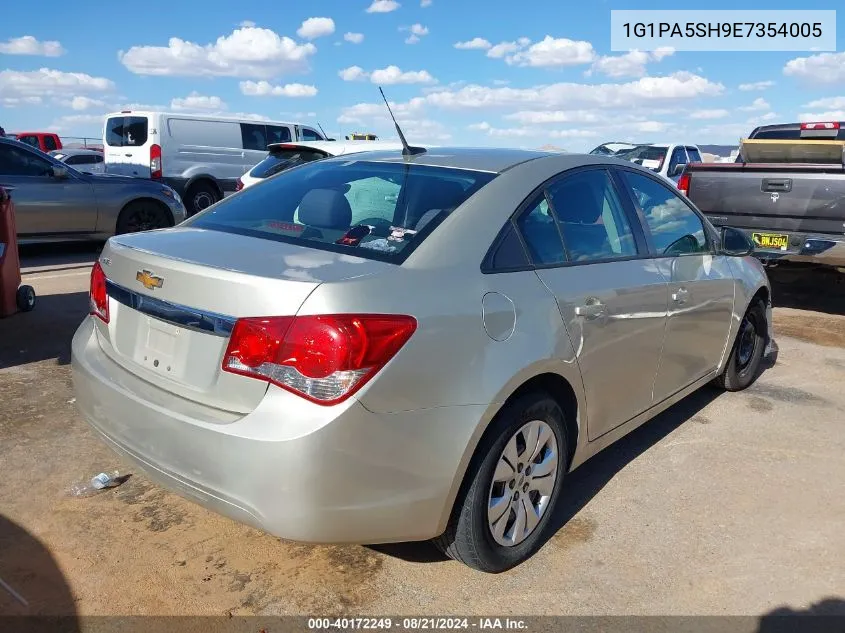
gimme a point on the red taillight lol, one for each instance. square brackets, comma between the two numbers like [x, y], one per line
[155, 162]
[820, 126]
[239, 184]
[683, 184]
[98, 299]
[324, 359]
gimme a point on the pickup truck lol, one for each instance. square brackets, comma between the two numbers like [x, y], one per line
[786, 192]
[50, 141]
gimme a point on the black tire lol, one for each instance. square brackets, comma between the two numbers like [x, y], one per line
[200, 196]
[468, 537]
[744, 363]
[143, 215]
[25, 298]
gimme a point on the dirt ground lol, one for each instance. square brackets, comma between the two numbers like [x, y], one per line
[725, 504]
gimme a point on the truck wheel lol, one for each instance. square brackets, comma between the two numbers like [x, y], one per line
[509, 495]
[25, 298]
[743, 366]
[143, 215]
[200, 196]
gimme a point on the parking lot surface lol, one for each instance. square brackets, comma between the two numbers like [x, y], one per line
[725, 504]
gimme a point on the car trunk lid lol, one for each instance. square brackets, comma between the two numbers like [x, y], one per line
[174, 296]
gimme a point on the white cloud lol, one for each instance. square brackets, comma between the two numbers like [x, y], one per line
[505, 48]
[417, 31]
[81, 124]
[556, 116]
[383, 6]
[354, 38]
[28, 45]
[425, 3]
[650, 91]
[394, 75]
[631, 64]
[312, 28]
[247, 23]
[476, 43]
[14, 102]
[266, 89]
[553, 52]
[246, 52]
[755, 86]
[769, 116]
[757, 105]
[833, 103]
[85, 103]
[387, 76]
[530, 132]
[826, 68]
[19, 87]
[719, 113]
[196, 102]
[353, 73]
[831, 115]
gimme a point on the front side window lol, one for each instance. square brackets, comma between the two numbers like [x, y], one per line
[310, 135]
[679, 157]
[128, 131]
[29, 139]
[15, 161]
[538, 228]
[592, 219]
[694, 155]
[675, 228]
[366, 209]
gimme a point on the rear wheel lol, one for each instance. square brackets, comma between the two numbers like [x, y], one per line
[25, 298]
[143, 215]
[501, 516]
[746, 357]
[200, 196]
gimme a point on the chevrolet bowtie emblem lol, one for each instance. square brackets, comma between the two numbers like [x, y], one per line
[149, 280]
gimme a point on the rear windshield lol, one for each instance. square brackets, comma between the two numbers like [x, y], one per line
[374, 210]
[126, 131]
[278, 161]
[793, 133]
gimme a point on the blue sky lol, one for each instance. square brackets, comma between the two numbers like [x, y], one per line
[471, 72]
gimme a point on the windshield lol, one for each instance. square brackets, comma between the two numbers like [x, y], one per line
[646, 155]
[376, 210]
[280, 160]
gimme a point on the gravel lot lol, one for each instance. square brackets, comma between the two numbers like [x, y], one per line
[725, 504]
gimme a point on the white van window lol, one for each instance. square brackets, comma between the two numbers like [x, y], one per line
[126, 131]
[277, 134]
[311, 135]
[204, 133]
[254, 136]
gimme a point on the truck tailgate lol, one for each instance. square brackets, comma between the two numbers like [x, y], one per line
[773, 197]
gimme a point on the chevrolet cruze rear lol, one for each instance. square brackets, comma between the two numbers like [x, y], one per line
[387, 348]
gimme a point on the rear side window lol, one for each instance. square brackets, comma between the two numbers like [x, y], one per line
[277, 134]
[254, 136]
[50, 143]
[128, 131]
[372, 210]
[540, 233]
[694, 155]
[592, 219]
[279, 161]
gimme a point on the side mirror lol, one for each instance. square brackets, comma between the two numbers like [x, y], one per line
[677, 170]
[735, 243]
[59, 173]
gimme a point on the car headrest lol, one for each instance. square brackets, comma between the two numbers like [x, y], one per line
[325, 209]
[577, 203]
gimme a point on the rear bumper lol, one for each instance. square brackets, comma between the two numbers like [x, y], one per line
[291, 468]
[827, 250]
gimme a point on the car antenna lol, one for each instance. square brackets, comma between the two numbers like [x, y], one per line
[407, 150]
[325, 136]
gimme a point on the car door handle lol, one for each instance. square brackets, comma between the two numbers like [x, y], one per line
[590, 310]
[680, 296]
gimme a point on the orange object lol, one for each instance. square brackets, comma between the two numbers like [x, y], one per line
[13, 296]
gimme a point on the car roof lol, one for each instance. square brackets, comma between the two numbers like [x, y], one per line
[489, 159]
[75, 151]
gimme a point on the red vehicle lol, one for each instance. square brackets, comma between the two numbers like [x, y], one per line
[45, 141]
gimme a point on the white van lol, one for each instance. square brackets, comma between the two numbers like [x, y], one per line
[199, 156]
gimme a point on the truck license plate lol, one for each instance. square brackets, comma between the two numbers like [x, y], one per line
[771, 241]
